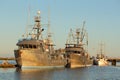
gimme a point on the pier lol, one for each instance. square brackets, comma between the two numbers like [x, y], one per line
[113, 61]
[5, 63]
[7, 58]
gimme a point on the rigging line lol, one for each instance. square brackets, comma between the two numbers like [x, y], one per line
[28, 21]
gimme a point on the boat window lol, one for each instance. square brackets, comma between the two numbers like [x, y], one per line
[23, 46]
[75, 45]
[26, 46]
[20, 47]
[34, 46]
[30, 46]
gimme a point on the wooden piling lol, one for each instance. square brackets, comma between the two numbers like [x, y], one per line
[114, 62]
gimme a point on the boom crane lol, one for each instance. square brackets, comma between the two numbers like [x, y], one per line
[82, 32]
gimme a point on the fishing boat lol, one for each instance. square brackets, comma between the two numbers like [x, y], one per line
[76, 49]
[101, 59]
[103, 62]
[35, 52]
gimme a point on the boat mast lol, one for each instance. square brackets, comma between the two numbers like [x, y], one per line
[71, 38]
[25, 35]
[101, 50]
[37, 25]
[48, 32]
[78, 36]
[50, 44]
[86, 48]
[82, 32]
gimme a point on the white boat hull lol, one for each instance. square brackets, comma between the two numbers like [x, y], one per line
[103, 62]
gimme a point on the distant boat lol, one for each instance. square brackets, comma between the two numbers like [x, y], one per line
[103, 62]
[101, 59]
[77, 55]
[6, 64]
[100, 62]
[35, 52]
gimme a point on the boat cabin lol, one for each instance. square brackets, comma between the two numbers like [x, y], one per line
[30, 44]
[74, 48]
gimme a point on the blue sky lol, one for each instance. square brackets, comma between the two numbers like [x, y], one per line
[102, 22]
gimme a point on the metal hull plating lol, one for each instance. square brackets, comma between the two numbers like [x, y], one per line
[77, 60]
[32, 58]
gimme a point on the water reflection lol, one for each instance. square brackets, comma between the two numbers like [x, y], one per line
[52, 74]
[37, 74]
[87, 73]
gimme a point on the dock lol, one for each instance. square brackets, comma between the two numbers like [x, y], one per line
[113, 60]
[5, 63]
[7, 58]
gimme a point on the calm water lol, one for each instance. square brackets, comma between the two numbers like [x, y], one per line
[88, 73]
